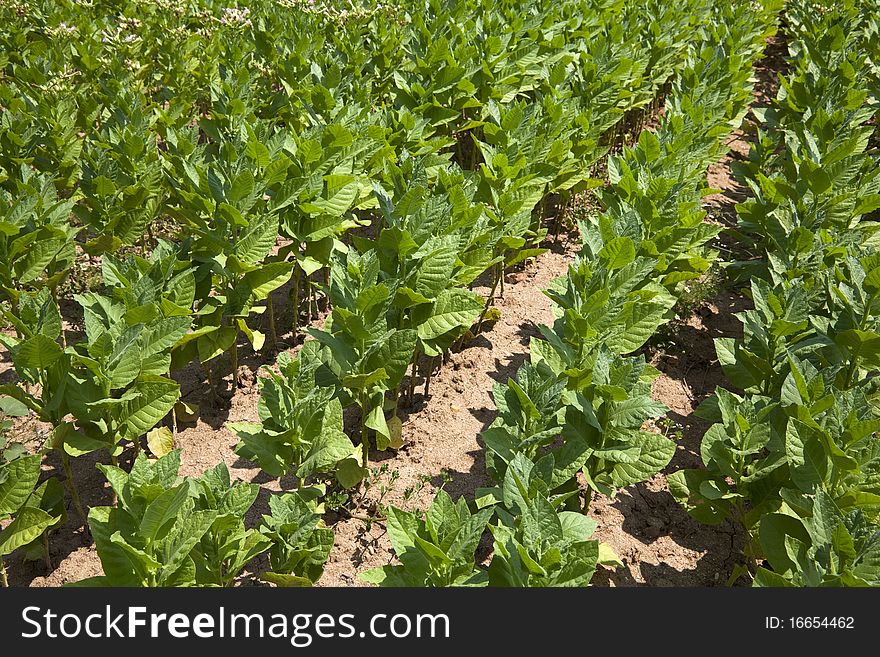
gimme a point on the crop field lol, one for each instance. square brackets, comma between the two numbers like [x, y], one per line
[523, 293]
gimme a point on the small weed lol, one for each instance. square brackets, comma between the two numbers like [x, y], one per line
[670, 428]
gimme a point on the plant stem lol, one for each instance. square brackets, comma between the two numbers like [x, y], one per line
[54, 290]
[71, 484]
[365, 448]
[430, 372]
[488, 303]
[273, 336]
[588, 497]
[114, 461]
[4, 581]
[209, 369]
[325, 276]
[294, 301]
[412, 378]
[233, 358]
[46, 554]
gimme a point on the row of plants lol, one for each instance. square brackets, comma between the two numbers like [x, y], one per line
[164, 530]
[793, 455]
[213, 181]
[579, 408]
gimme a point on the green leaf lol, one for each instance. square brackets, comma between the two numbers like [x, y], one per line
[38, 352]
[340, 193]
[618, 253]
[13, 407]
[29, 523]
[162, 510]
[77, 444]
[215, 341]
[18, 480]
[282, 580]
[257, 240]
[775, 527]
[260, 282]
[656, 453]
[455, 308]
[808, 462]
[185, 534]
[327, 450]
[349, 472]
[155, 397]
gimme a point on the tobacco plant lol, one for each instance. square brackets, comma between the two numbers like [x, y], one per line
[821, 547]
[301, 543]
[534, 543]
[363, 354]
[301, 427]
[32, 512]
[36, 238]
[436, 549]
[221, 198]
[227, 547]
[171, 531]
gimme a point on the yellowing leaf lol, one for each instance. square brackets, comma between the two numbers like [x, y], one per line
[395, 429]
[160, 441]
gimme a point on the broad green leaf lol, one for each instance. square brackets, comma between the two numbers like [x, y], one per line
[29, 523]
[161, 510]
[618, 253]
[349, 471]
[454, 309]
[38, 352]
[20, 477]
[155, 398]
[286, 581]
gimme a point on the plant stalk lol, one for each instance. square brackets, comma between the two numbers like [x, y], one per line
[588, 497]
[233, 359]
[488, 304]
[430, 372]
[4, 581]
[114, 461]
[46, 554]
[294, 301]
[412, 378]
[325, 276]
[71, 484]
[365, 447]
[273, 336]
[209, 369]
